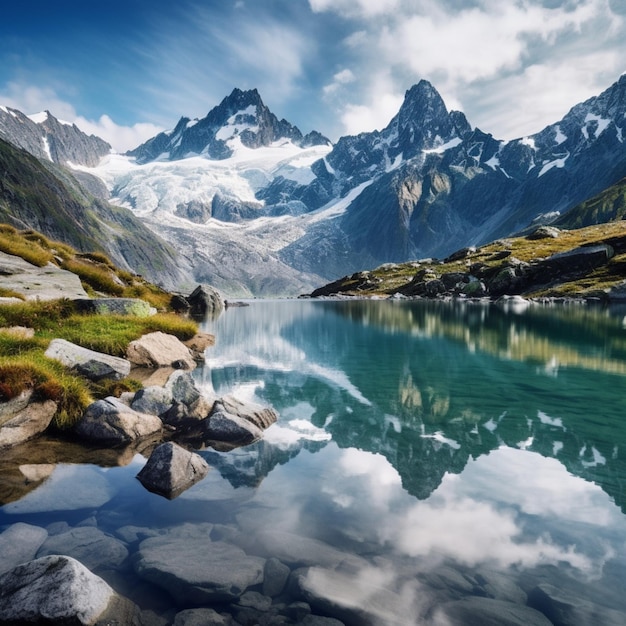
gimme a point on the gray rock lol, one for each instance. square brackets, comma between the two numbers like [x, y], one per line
[170, 470]
[116, 306]
[160, 350]
[205, 300]
[196, 570]
[489, 612]
[60, 590]
[202, 617]
[87, 544]
[545, 232]
[153, 400]
[39, 283]
[275, 577]
[318, 620]
[617, 293]
[27, 423]
[19, 543]
[234, 430]
[183, 387]
[93, 365]
[111, 421]
[261, 417]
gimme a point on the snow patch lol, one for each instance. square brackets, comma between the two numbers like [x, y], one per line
[39, 118]
[550, 164]
[46, 147]
[446, 146]
[602, 122]
[560, 137]
[528, 141]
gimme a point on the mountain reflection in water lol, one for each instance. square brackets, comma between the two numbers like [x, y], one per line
[433, 463]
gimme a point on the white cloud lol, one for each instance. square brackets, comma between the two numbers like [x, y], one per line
[31, 99]
[344, 77]
[122, 138]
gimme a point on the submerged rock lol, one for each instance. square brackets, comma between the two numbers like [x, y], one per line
[489, 612]
[60, 590]
[19, 543]
[170, 470]
[196, 570]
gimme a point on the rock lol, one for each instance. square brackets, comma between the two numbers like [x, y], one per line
[170, 470]
[27, 422]
[617, 293]
[205, 300]
[231, 429]
[454, 279]
[581, 259]
[196, 570]
[153, 400]
[93, 365]
[39, 283]
[433, 288]
[19, 543]
[87, 544]
[198, 345]
[112, 422]
[544, 232]
[260, 416]
[506, 281]
[160, 350]
[184, 417]
[202, 617]
[275, 577]
[115, 306]
[489, 612]
[459, 255]
[474, 289]
[183, 387]
[60, 590]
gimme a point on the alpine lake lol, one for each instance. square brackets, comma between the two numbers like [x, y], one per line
[433, 463]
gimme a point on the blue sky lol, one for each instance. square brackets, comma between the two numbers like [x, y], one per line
[127, 69]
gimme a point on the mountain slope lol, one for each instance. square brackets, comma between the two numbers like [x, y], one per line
[45, 137]
[48, 199]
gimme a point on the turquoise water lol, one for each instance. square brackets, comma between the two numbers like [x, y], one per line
[432, 464]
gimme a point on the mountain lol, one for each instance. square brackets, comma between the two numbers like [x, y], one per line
[241, 117]
[45, 137]
[39, 195]
[258, 209]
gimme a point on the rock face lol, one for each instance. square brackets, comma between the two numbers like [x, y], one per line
[21, 421]
[160, 350]
[196, 570]
[93, 365]
[242, 114]
[110, 421]
[170, 470]
[59, 590]
[49, 139]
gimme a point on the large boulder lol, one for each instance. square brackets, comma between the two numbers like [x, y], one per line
[196, 570]
[110, 421]
[205, 301]
[93, 365]
[170, 470]
[160, 350]
[21, 419]
[60, 590]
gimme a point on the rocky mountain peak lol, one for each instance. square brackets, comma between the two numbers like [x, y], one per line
[240, 119]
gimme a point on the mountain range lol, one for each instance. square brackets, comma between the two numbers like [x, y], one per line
[255, 207]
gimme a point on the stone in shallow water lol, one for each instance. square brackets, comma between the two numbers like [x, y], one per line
[60, 590]
[88, 545]
[19, 543]
[69, 488]
[196, 570]
[201, 617]
[171, 469]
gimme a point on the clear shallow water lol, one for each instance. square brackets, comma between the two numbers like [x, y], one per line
[432, 464]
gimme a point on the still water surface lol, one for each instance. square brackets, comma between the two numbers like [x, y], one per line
[432, 464]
